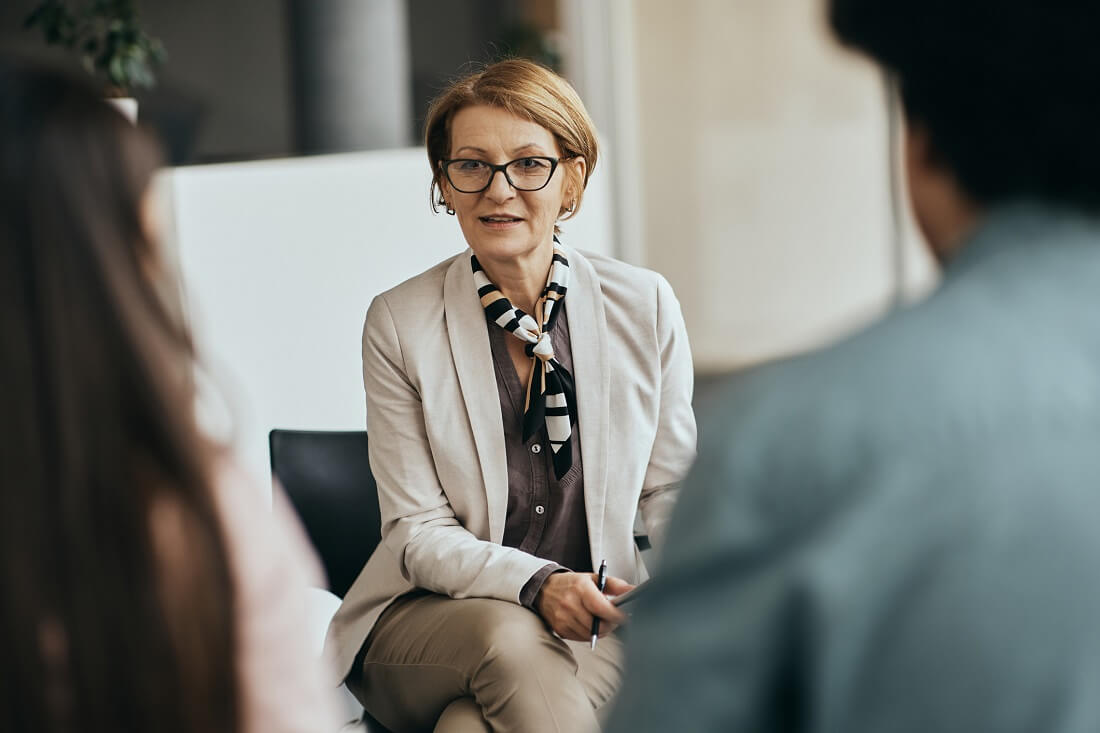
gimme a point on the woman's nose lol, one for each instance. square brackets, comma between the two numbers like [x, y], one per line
[500, 189]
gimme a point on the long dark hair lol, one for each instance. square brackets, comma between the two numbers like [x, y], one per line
[116, 594]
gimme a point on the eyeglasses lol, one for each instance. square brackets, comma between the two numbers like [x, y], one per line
[523, 174]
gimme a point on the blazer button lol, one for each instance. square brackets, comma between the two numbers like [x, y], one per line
[536, 448]
[540, 509]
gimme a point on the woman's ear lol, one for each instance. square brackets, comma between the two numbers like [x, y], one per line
[446, 194]
[580, 169]
[575, 170]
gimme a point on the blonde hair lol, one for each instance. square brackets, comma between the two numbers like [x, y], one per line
[527, 90]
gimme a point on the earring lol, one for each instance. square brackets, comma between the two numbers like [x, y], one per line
[449, 209]
[572, 205]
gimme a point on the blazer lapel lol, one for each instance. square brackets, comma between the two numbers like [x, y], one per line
[592, 375]
[473, 360]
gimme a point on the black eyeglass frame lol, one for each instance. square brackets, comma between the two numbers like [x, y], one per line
[502, 168]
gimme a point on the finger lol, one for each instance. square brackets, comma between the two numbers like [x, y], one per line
[588, 617]
[600, 605]
[584, 621]
[577, 630]
[613, 616]
[571, 620]
[597, 604]
[616, 586]
[606, 628]
[575, 620]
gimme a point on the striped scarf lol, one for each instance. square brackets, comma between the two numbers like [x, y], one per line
[551, 399]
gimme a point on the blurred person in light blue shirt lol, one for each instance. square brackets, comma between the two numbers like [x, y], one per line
[899, 533]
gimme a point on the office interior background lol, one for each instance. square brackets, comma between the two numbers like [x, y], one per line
[745, 156]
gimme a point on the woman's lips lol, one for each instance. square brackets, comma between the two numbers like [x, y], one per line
[500, 222]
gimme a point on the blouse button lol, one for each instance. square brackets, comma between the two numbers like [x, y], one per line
[536, 448]
[540, 509]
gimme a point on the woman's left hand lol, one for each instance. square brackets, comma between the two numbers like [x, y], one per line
[569, 601]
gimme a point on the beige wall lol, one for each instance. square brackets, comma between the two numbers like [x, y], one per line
[765, 176]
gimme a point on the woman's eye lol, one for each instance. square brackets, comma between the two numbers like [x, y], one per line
[471, 165]
[532, 163]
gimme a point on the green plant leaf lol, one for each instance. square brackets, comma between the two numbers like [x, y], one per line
[105, 34]
[115, 71]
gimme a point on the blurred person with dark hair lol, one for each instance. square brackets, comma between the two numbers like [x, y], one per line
[144, 589]
[503, 480]
[899, 533]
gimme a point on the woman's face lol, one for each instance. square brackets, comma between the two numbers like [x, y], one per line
[501, 222]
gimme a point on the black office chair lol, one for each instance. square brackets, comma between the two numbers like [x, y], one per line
[326, 474]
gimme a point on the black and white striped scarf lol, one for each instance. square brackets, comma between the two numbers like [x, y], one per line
[551, 399]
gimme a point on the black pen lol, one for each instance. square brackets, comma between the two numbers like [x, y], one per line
[599, 584]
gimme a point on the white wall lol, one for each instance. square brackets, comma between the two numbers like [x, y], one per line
[280, 260]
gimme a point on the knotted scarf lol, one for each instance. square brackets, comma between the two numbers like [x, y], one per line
[551, 399]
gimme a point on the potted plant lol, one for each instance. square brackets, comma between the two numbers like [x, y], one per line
[108, 36]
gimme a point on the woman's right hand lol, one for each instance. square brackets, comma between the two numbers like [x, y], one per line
[568, 602]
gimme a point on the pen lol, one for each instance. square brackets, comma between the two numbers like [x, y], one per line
[599, 584]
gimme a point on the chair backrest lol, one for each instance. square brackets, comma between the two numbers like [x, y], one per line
[327, 476]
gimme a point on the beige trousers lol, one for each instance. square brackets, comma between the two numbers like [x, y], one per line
[478, 664]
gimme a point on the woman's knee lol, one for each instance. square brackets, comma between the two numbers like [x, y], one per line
[514, 637]
[462, 716]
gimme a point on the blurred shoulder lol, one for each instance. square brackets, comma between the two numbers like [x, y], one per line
[791, 438]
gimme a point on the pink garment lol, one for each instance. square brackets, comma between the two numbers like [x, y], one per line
[286, 687]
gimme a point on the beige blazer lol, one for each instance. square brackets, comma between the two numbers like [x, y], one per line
[437, 436]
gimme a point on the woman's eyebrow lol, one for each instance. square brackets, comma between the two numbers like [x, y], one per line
[527, 147]
[533, 147]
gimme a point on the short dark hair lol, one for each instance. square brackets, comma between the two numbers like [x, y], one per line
[1007, 89]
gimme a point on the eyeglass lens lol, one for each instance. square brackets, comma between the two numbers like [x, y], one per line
[525, 174]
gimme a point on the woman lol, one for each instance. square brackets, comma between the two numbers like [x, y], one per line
[143, 586]
[525, 402]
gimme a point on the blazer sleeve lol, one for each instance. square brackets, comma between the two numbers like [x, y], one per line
[674, 444]
[419, 526]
